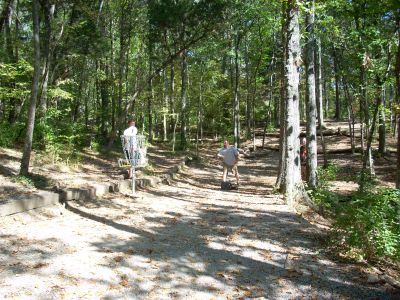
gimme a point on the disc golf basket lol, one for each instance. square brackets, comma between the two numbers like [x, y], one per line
[135, 151]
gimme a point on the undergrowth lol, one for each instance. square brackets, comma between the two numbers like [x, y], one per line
[367, 223]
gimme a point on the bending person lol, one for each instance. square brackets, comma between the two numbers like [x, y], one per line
[130, 143]
[230, 157]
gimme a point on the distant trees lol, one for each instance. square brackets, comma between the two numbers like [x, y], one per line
[191, 69]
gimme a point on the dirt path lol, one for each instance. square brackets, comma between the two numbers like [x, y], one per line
[188, 240]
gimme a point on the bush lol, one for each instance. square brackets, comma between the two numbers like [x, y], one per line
[371, 223]
[322, 196]
[9, 135]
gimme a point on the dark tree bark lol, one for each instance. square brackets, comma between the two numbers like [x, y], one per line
[5, 13]
[24, 168]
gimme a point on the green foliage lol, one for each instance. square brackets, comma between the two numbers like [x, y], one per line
[33, 181]
[371, 223]
[24, 180]
[367, 222]
[15, 84]
[322, 196]
[10, 134]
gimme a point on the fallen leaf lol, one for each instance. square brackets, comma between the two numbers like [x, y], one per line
[40, 265]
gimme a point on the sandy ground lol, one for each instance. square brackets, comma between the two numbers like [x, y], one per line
[187, 240]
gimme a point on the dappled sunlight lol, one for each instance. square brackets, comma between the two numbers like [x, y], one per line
[187, 239]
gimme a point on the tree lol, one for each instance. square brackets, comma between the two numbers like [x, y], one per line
[290, 172]
[311, 98]
[24, 168]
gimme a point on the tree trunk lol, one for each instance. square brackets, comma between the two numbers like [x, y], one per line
[184, 101]
[236, 101]
[48, 16]
[382, 125]
[24, 168]
[350, 117]
[150, 107]
[16, 51]
[172, 105]
[318, 84]
[166, 104]
[282, 103]
[5, 13]
[367, 159]
[291, 176]
[199, 115]
[310, 100]
[337, 81]
[248, 88]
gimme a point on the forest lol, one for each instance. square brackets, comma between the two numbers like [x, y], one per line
[193, 73]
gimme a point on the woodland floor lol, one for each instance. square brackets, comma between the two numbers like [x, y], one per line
[186, 240]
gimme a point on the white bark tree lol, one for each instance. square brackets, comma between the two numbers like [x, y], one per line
[311, 104]
[290, 178]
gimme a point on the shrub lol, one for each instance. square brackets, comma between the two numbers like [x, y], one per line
[371, 223]
[322, 196]
[9, 135]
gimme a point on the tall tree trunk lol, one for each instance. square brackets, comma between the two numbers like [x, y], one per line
[5, 13]
[382, 125]
[236, 101]
[174, 118]
[367, 159]
[150, 106]
[337, 81]
[24, 168]
[48, 16]
[8, 37]
[16, 51]
[282, 103]
[199, 115]
[350, 117]
[310, 99]
[319, 84]
[291, 176]
[248, 83]
[184, 101]
[326, 96]
[166, 104]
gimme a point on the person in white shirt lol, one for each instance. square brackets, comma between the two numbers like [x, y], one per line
[131, 130]
[230, 158]
[130, 142]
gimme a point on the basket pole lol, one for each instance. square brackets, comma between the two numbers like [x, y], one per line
[133, 179]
